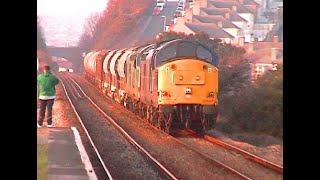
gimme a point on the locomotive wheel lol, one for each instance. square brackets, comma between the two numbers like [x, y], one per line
[214, 119]
[149, 112]
[182, 116]
[205, 121]
[142, 110]
[122, 102]
[145, 109]
[129, 104]
[189, 117]
[208, 121]
[154, 117]
[168, 120]
[160, 123]
[187, 123]
[135, 108]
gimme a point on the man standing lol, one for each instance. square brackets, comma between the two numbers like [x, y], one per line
[47, 82]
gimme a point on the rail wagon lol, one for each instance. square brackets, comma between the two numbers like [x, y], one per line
[172, 83]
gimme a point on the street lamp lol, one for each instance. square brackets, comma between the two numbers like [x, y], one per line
[164, 23]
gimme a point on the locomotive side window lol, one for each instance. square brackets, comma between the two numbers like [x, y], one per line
[167, 53]
[144, 77]
[186, 49]
[204, 54]
[153, 60]
[129, 75]
[150, 81]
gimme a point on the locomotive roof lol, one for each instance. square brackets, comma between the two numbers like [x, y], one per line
[181, 48]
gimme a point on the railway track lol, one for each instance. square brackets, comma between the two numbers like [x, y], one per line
[75, 93]
[182, 134]
[172, 156]
[250, 156]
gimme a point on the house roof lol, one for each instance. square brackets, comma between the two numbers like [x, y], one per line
[215, 19]
[250, 2]
[222, 11]
[213, 30]
[245, 2]
[263, 56]
[228, 4]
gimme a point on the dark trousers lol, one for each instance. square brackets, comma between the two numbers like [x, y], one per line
[45, 105]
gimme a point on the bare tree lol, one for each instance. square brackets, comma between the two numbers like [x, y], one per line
[41, 44]
[91, 22]
[88, 37]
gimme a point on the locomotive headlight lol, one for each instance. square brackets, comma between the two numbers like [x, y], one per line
[211, 94]
[205, 67]
[173, 67]
[180, 77]
[197, 78]
[164, 93]
[187, 91]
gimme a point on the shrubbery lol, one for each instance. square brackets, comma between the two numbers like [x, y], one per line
[256, 107]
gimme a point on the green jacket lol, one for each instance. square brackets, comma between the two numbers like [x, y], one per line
[47, 83]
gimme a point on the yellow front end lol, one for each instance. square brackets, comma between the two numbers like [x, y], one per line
[187, 81]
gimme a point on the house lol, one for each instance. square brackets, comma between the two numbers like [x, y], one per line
[237, 7]
[223, 23]
[264, 56]
[213, 30]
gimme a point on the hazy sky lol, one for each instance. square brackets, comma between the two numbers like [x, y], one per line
[69, 7]
[62, 20]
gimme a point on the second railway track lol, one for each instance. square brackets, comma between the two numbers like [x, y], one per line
[243, 162]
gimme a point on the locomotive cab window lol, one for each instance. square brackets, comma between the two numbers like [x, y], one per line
[186, 49]
[204, 54]
[165, 54]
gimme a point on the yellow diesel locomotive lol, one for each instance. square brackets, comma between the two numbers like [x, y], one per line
[169, 83]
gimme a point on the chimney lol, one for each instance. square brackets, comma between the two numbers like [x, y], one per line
[250, 48]
[275, 39]
[180, 20]
[204, 3]
[227, 16]
[166, 28]
[220, 24]
[241, 41]
[189, 15]
[196, 8]
[273, 54]
[234, 8]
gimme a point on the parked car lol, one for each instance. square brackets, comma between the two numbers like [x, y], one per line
[160, 7]
[179, 9]
[161, 2]
[190, 3]
[177, 14]
[156, 11]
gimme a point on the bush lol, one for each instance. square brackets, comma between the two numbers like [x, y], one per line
[257, 107]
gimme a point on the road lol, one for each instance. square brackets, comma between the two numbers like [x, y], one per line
[154, 24]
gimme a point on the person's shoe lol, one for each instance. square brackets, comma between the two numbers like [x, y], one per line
[39, 126]
[50, 125]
